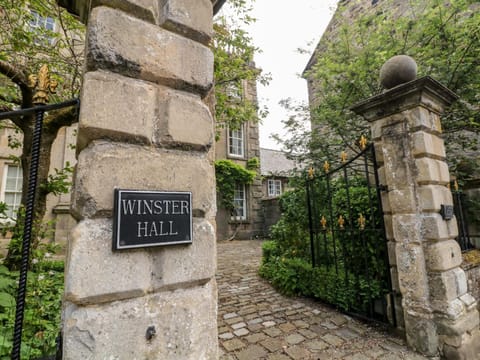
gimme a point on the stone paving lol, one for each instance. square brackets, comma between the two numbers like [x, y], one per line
[255, 322]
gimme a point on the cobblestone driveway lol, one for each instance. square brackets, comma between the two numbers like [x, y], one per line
[255, 322]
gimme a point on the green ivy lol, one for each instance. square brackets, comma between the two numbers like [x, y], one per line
[253, 163]
[229, 173]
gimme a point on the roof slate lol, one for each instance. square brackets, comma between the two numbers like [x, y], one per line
[274, 162]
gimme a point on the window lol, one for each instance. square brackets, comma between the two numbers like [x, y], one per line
[39, 24]
[235, 142]
[239, 202]
[12, 189]
[234, 91]
[274, 187]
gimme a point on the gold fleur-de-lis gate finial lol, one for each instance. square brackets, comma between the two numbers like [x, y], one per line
[311, 172]
[361, 222]
[323, 222]
[343, 156]
[363, 142]
[341, 222]
[326, 166]
[42, 84]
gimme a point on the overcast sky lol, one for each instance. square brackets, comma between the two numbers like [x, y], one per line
[283, 26]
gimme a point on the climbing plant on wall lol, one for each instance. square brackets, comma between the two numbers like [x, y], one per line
[228, 174]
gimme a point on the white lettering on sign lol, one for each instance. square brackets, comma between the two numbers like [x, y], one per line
[155, 207]
[155, 228]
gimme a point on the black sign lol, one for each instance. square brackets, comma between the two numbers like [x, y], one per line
[446, 211]
[151, 218]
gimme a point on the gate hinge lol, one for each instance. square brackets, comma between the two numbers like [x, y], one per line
[383, 187]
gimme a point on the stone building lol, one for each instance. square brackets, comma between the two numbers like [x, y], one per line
[240, 146]
[276, 170]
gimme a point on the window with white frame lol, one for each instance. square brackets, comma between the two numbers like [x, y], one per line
[234, 91]
[239, 202]
[274, 187]
[12, 189]
[39, 23]
[236, 142]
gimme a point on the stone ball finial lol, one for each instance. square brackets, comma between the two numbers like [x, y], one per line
[398, 70]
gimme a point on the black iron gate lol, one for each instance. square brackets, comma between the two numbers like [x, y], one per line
[347, 236]
[20, 304]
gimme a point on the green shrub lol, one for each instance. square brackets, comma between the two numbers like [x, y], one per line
[295, 276]
[289, 276]
[42, 311]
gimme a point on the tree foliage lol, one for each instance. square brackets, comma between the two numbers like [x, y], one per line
[233, 67]
[442, 36]
[34, 33]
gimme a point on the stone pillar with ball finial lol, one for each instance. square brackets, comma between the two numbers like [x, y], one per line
[437, 313]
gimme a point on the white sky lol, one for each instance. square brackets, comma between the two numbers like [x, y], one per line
[282, 27]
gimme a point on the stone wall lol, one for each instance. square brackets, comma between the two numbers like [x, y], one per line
[471, 266]
[271, 213]
[144, 126]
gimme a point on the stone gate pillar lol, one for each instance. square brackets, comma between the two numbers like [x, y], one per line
[439, 315]
[143, 126]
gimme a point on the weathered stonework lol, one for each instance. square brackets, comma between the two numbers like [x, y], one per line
[168, 170]
[143, 126]
[121, 43]
[184, 321]
[440, 316]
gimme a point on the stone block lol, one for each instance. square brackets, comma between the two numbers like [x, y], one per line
[119, 108]
[141, 50]
[421, 117]
[467, 323]
[443, 255]
[185, 121]
[412, 274]
[191, 18]
[385, 202]
[452, 310]
[447, 285]
[406, 228]
[468, 347]
[397, 174]
[146, 10]
[469, 301]
[424, 143]
[184, 320]
[392, 259]
[394, 277]
[435, 228]
[431, 197]
[387, 219]
[421, 333]
[402, 201]
[378, 152]
[133, 273]
[126, 166]
[432, 171]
